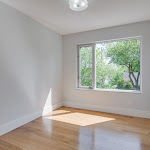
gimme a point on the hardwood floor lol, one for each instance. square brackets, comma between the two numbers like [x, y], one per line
[75, 129]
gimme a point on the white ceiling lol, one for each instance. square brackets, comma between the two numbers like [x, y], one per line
[100, 14]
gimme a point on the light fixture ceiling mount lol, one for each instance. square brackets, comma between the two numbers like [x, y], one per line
[78, 5]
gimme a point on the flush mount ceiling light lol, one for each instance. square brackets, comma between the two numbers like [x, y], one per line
[78, 5]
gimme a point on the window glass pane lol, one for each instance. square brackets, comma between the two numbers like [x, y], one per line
[86, 66]
[118, 65]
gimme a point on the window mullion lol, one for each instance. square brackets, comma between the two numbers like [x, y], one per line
[93, 67]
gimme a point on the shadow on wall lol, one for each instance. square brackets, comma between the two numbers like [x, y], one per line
[23, 87]
[29, 65]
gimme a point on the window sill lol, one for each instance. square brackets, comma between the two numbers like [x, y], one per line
[111, 90]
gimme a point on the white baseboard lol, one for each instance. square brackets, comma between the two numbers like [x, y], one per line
[18, 122]
[5, 128]
[28, 118]
[122, 111]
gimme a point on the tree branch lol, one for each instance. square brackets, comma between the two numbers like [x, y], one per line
[130, 76]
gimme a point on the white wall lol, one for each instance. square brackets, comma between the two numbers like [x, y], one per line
[30, 65]
[123, 103]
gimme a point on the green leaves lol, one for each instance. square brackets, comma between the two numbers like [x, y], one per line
[123, 84]
[125, 53]
[112, 60]
[107, 72]
[86, 66]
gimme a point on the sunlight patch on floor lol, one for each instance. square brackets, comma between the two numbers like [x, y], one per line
[80, 119]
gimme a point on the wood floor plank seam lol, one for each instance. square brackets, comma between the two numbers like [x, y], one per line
[75, 129]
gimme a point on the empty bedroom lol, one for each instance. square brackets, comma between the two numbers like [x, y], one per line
[74, 75]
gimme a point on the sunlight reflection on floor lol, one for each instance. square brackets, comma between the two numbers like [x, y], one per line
[100, 139]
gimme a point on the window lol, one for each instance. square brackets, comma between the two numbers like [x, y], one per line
[110, 65]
